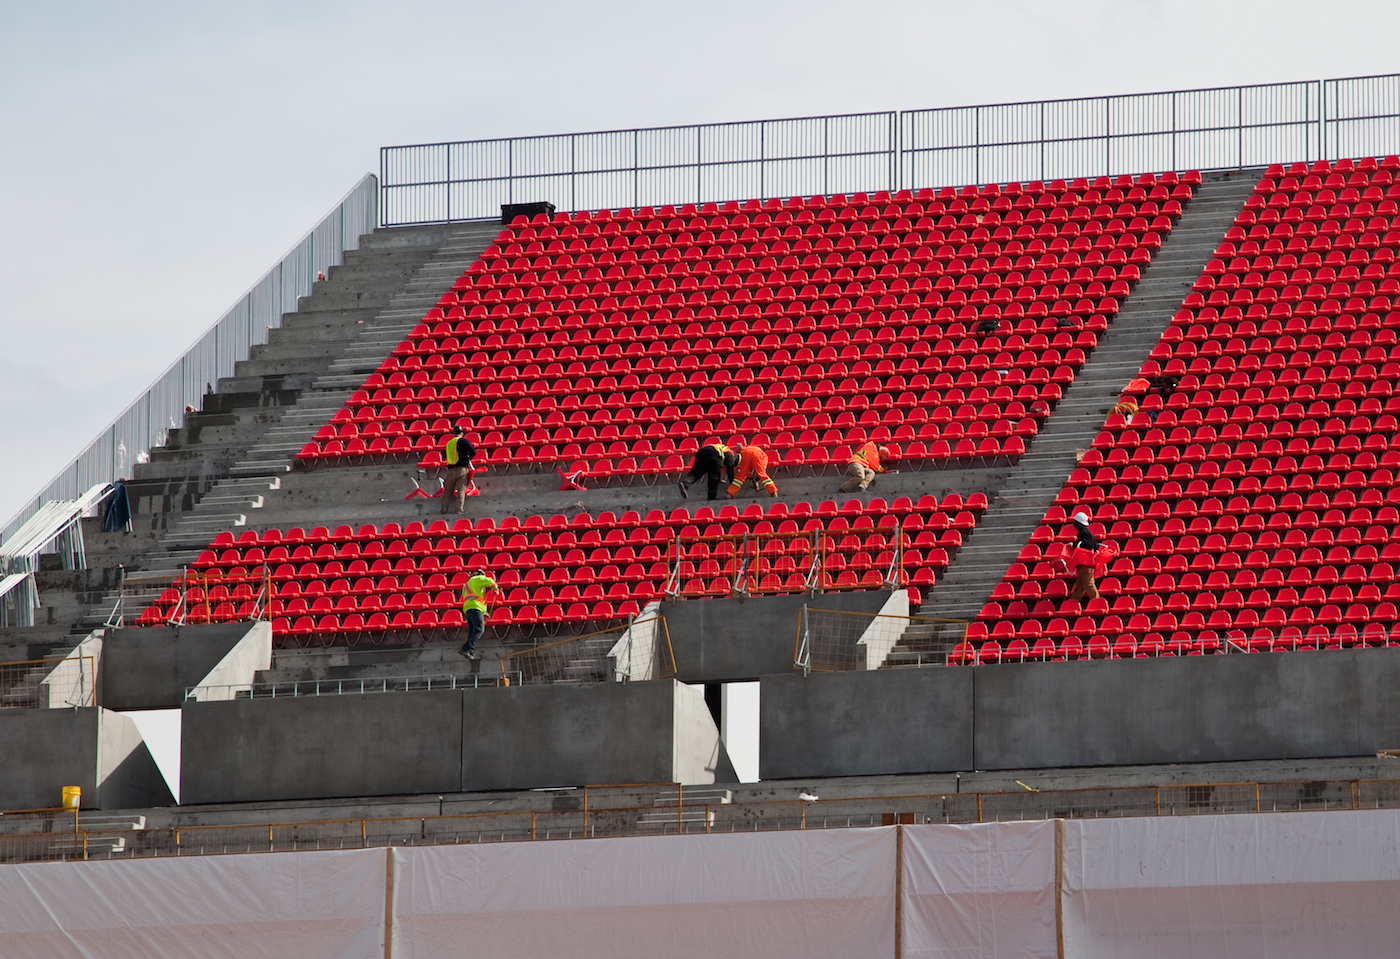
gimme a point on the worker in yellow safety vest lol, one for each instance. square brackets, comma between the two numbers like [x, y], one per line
[865, 463]
[708, 462]
[753, 462]
[458, 454]
[474, 609]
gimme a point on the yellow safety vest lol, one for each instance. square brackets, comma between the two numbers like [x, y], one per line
[474, 595]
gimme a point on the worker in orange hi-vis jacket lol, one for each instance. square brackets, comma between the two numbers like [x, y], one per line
[865, 463]
[753, 462]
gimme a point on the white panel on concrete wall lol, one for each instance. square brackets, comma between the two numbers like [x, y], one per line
[814, 895]
[981, 890]
[311, 905]
[1273, 886]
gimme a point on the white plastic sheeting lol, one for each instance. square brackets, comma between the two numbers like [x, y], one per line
[1271, 886]
[817, 894]
[979, 891]
[311, 905]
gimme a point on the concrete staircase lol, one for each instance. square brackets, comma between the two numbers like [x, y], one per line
[296, 669]
[1029, 489]
[230, 457]
[257, 470]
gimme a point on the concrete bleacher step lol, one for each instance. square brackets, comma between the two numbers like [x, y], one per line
[1016, 510]
[438, 661]
[238, 452]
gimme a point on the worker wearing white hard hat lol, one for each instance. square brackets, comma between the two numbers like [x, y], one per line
[1085, 558]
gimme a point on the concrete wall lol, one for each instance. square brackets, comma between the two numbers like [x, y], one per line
[738, 639]
[240, 665]
[535, 736]
[307, 747]
[443, 742]
[1188, 709]
[1113, 712]
[94, 749]
[151, 668]
[865, 723]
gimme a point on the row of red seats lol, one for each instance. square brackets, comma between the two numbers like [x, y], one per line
[986, 258]
[946, 194]
[1079, 230]
[981, 651]
[851, 539]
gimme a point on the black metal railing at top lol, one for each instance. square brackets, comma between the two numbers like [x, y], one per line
[1205, 129]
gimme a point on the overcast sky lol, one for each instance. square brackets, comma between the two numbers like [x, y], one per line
[159, 157]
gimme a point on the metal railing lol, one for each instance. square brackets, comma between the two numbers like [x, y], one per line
[161, 407]
[836, 640]
[49, 683]
[1215, 128]
[587, 658]
[33, 838]
[194, 598]
[343, 687]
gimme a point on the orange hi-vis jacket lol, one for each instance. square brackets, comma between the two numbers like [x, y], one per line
[752, 462]
[869, 454]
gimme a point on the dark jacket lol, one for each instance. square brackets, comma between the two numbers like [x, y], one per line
[1083, 538]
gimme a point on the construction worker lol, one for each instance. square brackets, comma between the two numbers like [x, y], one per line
[458, 454]
[474, 609]
[753, 462]
[865, 463]
[1085, 558]
[708, 461]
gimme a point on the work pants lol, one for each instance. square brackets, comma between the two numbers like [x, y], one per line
[476, 628]
[707, 463]
[861, 476]
[1084, 587]
[454, 493]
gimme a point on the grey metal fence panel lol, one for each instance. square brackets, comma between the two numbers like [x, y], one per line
[642, 167]
[1362, 115]
[1207, 129]
[161, 407]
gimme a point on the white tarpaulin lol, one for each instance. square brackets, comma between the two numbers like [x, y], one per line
[813, 894]
[1272, 886]
[307, 905]
[979, 891]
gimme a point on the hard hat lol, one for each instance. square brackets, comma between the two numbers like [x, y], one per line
[1081, 518]
[889, 452]
[458, 429]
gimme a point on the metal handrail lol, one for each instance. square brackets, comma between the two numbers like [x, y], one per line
[1202, 128]
[346, 687]
[161, 407]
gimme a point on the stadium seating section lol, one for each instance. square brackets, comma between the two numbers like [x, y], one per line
[557, 570]
[1256, 504]
[948, 321]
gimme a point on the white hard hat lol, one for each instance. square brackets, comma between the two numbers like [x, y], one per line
[1081, 518]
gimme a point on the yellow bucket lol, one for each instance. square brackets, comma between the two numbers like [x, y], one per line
[72, 796]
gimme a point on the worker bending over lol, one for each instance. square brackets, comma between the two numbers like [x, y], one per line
[458, 454]
[865, 463]
[753, 463]
[708, 462]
